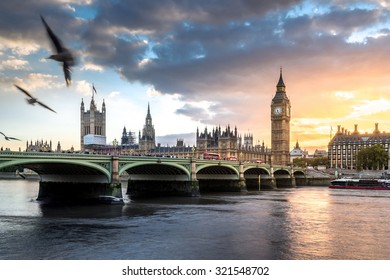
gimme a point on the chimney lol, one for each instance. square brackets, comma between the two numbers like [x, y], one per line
[376, 128]
[356, 129]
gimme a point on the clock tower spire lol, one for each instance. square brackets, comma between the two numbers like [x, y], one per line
[280, 124]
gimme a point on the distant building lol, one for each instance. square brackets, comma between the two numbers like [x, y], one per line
[345, 145]
[92, 126]
[39, 146]
[147, 140]
[178, 151]
[297, 152]
[228, 144]
[320, 153]
[280, 125]
[128, 138]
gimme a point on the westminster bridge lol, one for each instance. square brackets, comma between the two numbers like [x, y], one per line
[81, 176]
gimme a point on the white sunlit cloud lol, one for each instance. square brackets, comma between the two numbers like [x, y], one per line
[144, 62]
[153, 92]
[35, 81]
[68, 7]
[345, 94]
[113, 94]
[374, 32]
[14, 64]
[308, 9]
[370, 107]
[93, 67]
[19, 48]
[84, 87]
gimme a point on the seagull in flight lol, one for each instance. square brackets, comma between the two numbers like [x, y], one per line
[32, 100]
[63, 54]
[9, 138]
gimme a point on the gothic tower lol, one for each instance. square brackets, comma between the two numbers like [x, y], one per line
[93, 124]
[147, 141]
[280, 125]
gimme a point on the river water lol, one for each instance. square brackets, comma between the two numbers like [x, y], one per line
[304, 223]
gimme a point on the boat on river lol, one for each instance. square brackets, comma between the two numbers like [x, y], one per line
[360, 184]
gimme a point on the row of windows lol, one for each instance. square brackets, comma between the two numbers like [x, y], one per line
[97, 131]
[367, 143]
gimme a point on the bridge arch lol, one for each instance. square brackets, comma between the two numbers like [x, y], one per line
[62, 167]
[283, 178]
[157, 178]
[217, 177]
[254, 170]
[281, 171]
[147, 168]
[299, 173]
[219, 169]
[300, 178]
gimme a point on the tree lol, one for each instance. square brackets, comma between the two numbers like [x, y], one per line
[301, 162]
[305, 162]
[321, 161]
[374, 157]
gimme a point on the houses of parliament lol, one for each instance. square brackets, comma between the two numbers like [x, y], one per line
[226, 142]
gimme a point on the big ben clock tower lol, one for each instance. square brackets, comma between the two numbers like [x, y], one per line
[280, 125]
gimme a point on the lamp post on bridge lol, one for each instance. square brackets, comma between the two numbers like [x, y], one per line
[115, 144]
[193, 151]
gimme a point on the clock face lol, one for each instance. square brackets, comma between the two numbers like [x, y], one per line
[277, 110]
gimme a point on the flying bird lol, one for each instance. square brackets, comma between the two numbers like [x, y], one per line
[62, 54]
[9, 138]
[32, 100]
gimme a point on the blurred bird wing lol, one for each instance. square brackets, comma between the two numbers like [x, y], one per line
[47, 107]
[25, 91]
[67, 74]
[55, 40]
[13, 138]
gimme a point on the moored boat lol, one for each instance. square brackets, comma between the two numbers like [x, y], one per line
[361, 184]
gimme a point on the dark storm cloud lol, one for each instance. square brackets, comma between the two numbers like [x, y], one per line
[219, 51]
[194, 44]
[207, 51]
[20, 19]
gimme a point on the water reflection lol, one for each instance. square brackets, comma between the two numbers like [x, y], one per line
[308, 216]
[300, 223]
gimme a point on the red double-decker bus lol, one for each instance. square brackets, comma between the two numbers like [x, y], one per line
[207, 155]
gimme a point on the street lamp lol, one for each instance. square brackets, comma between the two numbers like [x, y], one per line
[115, 143]
[193, 151]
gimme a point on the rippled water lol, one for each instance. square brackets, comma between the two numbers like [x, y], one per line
[300, 223]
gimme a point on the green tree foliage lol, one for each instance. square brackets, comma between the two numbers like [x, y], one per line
[317, 161]
[373, 158]
[305, 162]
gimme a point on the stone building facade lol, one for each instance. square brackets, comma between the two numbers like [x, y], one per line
[92, 126]
[280, 125]
[228, 144]
[147, 140]
[345, 145]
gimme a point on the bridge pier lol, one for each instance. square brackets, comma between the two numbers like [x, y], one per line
[268, 183]
[241, 180]
[194, 181]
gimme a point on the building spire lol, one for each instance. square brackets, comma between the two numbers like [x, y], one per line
[281, 86]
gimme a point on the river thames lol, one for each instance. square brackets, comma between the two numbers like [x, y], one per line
[304, 223]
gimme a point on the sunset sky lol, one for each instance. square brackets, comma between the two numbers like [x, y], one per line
[198, 64]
